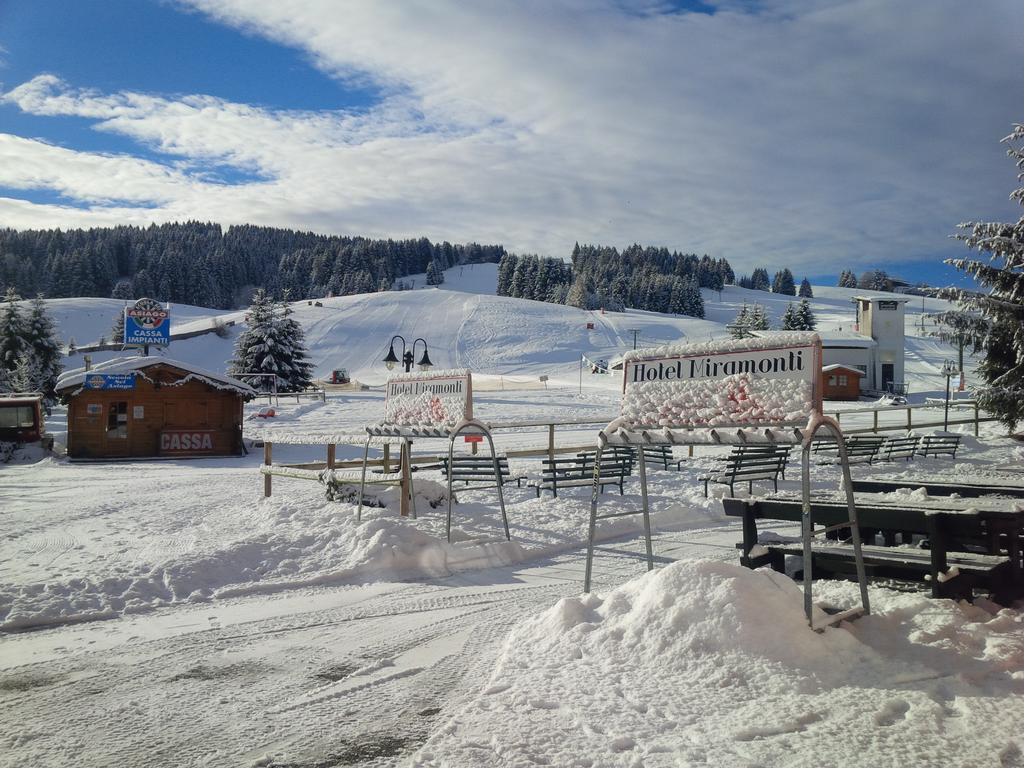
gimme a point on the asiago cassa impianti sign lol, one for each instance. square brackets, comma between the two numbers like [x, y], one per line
[147, 322]
[734, 382]
[441, 400]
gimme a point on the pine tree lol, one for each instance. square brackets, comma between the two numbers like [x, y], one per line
[1003, 306]
[434, 274]
[961, 329]
[805, 317]
[273, 343]
[784, 283]
[848, 279]
[12, 332]
[759, 280]
[694, 301]
[577, 295]
[117, 329]
[789, 319]
[41, 337]
[759, 319]
[805, 289]
[739, 328]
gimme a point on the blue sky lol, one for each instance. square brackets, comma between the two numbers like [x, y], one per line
[819, 135]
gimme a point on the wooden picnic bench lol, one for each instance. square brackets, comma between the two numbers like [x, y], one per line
[938, 445]
[479, 470]
[749, 467]
[948, 531]
[938, 488]
[579, 472]
[653, 454]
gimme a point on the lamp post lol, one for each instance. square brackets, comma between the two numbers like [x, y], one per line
[408, 355]
[948, 369]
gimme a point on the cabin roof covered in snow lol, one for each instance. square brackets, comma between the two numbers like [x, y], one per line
[76, 377]
[841, 367]
[894, 297]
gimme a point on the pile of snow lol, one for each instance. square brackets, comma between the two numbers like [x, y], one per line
[708, 663]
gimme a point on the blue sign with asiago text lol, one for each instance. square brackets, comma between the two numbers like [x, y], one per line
[110, 381]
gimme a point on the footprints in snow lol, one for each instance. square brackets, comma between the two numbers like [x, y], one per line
[892, 713]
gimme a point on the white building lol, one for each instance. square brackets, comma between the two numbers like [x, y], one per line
[882, 319]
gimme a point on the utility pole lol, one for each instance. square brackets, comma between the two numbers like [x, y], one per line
[635, 332]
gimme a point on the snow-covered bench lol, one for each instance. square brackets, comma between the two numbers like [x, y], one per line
[898, 448]
[936, 445]
[857, 447]
[748, 468]
[473, 470]
[579, 472]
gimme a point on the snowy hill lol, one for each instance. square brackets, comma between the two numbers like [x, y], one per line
[466, 325]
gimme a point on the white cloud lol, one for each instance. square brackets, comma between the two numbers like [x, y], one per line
[823, 135]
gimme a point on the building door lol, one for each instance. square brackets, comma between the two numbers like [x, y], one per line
[888, 372]
[117, 429]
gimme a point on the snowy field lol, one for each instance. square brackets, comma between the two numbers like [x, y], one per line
[166, 613]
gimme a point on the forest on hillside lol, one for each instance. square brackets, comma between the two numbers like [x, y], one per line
[648, 278]
[201, 263]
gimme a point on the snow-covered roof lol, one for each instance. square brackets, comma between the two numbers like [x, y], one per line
[76, 377]
[762, 340]
[828, 338]
[881, 298]
[840, 366]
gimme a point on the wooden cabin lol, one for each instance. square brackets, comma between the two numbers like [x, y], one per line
[138, 407]
[840, 382]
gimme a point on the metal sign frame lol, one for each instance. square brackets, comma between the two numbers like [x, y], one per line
[621, 432]
[406, 433]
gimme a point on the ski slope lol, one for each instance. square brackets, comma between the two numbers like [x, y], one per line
[466, 325]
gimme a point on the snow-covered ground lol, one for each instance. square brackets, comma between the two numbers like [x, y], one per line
[166, 613]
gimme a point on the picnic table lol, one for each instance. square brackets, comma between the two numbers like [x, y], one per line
[973, 543]
[939, 487]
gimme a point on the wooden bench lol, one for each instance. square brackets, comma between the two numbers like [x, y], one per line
[479, 470]
[936, 445]
[748, 468]
[949, 533]
[579, 472]
[762, 449]
[857, 447]
[898, 448]
[653, 454]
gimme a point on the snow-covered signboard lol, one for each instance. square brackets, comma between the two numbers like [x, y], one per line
[735, 382]
[439, 399]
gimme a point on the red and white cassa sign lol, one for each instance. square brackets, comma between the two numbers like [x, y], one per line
[734, 382]
[441, 400]
[183, 441]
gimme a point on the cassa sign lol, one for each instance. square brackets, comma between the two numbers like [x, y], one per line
[174, 441]
[147, 322]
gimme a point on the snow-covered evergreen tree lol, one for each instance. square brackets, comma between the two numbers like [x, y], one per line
[847, 279]
[1003, 306]
[506, 269]
[759, 319]
[805, 289]
[784, 283]
[273, 343]
[41, 336]
[577, 295]
[117, 329]
[12, 332]
[759, 279]
[434, 274]
[740, 328]
[789, 321]
[805, 317]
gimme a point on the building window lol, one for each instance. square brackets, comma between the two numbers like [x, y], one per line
[17, 417]
[843, 381]
[831, 381]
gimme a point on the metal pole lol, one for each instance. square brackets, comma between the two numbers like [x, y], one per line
[945, 417]
[267, 461]
[581, 374]
[645, 507]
